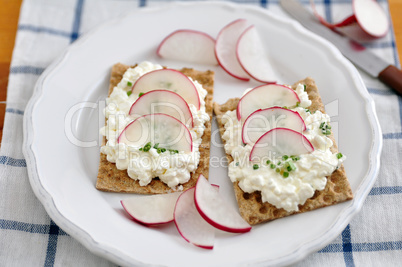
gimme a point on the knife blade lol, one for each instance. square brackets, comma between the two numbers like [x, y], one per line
[367, 61]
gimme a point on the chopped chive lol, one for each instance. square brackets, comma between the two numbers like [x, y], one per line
[272, 166]
[140, 148]
[156, 145]
[285, 174]
[163, 149]
[295, 158]
[285, 157]
[279, 163]
[326, 132]
[140, 94]
[278, 170]
[268, 162]
[147, 147]
[255, 166]
[339, 155]
[285, 107]
[159, 150]
[307, 110]
[322, 125]
[305, 87]
[291, 166]
[129, 83]
[129, 93]
[297, 104]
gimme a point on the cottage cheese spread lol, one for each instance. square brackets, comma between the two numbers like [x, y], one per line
[310, 169]
[172, 169]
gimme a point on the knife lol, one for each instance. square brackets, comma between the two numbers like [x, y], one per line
[369, 62]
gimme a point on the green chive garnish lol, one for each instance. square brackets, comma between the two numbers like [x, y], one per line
[255, 166]
[147, 147]
[305, 87]
[285, 157]
[129, 83]
[272, 166]
[129, 93]
[285, 174]
[156, 145]
[140, 94]
[339, 155]
[268, 162]
[278, 170]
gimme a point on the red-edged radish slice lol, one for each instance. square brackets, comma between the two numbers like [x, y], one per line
[168, 79]
[151, 210]
[263, 120]
[191, 226]
[266, 96]
[225, 48]
[158, 128]
[215, 210]
[163, 101]
[278, 142]
[188, 46]
[253, 57]
[367, 22]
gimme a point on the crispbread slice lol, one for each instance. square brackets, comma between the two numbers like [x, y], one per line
[111, 179]
[252, 209]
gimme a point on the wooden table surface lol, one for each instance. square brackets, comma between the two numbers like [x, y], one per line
[8, 26]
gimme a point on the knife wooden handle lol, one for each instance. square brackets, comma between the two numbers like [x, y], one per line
[392, 77]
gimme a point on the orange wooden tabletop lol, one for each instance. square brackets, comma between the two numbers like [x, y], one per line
[8, 26]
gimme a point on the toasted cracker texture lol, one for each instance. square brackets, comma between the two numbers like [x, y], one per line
[111, 179]
[252, 209]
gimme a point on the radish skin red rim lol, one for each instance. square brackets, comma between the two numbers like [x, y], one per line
[266, 96]
[168, 79]
[151, 210]
[147, 128]
[263, 120]
[189, 46]
[191, 226]
[225, 49]
[163, 101]
[252, 56]
[367, 23]
[278, 142]
[215, 210]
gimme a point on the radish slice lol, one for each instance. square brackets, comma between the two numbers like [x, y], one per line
[168, 79]
[278, 142]
[160, 129]
[215, 210]
[188, 46]
[253, 57]
[151, 210]
[367, 22]
[225, 48]
[162, 101]
[266, 96]
[263, 120]
[191, 226]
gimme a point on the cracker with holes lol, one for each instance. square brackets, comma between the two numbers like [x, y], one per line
[282, 152]
[157, 130]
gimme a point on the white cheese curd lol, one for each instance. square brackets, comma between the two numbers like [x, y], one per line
[172, 169]
[310, 170]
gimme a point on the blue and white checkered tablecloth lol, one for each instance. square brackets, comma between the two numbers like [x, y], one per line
[28, 237]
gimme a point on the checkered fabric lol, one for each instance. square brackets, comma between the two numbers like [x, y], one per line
[28, 237]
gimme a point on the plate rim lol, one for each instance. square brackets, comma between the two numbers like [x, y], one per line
[115, 255]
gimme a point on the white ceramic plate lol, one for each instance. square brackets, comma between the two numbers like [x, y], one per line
[63, 118]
